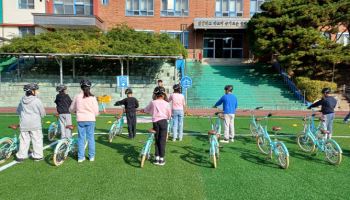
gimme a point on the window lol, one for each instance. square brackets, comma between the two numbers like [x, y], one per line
[104, 2]
[26, 4]
[23, 31]
[139, 7]
[174, 8]
[343, 38]
[229, 8]
[255, 6]
[180, 35]
[73, 7]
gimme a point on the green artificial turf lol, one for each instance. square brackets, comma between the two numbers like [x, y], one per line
[242, 173]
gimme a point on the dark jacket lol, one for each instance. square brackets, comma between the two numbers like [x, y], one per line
[130, 104]
[63, 102]
[327, 105]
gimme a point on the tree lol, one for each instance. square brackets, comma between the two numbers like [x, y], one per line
[297, 30]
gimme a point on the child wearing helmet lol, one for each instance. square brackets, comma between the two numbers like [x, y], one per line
[130, 104]
[161, 112]
[30, 111]
[63, 102]
[86, 108]
[178, 106]
[328, 104]
[229, 102]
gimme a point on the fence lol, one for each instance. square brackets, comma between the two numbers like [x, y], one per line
[291, 85]
[346, 91]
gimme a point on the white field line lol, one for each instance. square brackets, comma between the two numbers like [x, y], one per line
[8, 165]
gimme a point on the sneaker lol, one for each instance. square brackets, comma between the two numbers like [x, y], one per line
[19, 160]
[38, 159]
[232, 140]
[224, 141]
[92, 159]
[180, 139]
[346, 121]
[174, 139]
[156, 161]
[162, 162]
[82, 160]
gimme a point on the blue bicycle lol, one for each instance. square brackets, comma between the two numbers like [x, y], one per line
[214, 134]
[117, 127]
[8, 145]
[312, 137]
[269, 147]
[54, 129]
[146, 150]
[254, 125]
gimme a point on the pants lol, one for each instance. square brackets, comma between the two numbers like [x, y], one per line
[24, 142]
[229, 122]
[65, 119]
[328, 123]
[178, 118]
[161, 128]
[86, 130]
[131, 120]
[347, 117]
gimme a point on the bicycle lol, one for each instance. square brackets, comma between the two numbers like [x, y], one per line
[254, 125]
[214, 134]
[54, 129]
[312, 137]
[117, 127]
[9, 145]
[146, 150]
[269, 147]
[64, 147]
[170, 125]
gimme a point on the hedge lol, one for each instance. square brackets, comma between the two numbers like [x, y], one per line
[313, 88]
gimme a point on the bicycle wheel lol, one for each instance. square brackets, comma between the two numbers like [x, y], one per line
[263, 144]
[52, 132]
[306, 143]
[5, 153]
[282, 157]
[253, 129]
[60, 152]
[213, 157]
[333, 152]
[143, 158]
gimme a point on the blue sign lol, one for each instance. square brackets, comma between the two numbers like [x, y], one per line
[122, 81]
[186, 82]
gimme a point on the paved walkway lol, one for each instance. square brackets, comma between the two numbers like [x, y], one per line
[205, 112]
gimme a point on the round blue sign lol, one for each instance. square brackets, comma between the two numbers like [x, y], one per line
[186, 82]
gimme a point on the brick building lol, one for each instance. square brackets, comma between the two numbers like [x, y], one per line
[207, 28]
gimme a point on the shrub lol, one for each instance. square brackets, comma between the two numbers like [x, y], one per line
[313, 87]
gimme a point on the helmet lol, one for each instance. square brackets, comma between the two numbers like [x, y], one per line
[128, 91]
[326, 90]
[159, 90]
[30, 87]
[228, 88]
[60, 88]
[85, 83]
[177, 87]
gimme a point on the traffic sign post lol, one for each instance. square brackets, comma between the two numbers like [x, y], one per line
[186, 82]
[122, 82]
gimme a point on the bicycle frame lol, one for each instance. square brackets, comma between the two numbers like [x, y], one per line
[14, 143]
[273, 143]
[146, 150]
[213, 144]
[253, 122]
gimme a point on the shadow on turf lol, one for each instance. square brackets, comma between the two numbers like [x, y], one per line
[194, 156]
[251, 156]
[129, 152]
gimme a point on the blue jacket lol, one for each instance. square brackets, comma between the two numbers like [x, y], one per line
[229, 102]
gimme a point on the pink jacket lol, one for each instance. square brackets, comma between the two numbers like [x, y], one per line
[159, 109]
[178, 101]
[85, 108]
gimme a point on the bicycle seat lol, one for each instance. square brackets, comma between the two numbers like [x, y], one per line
[258, 119]
[212, 132]
[276, 128]
[325, 132]
[151, 130]
[14, 126]
[71, 127]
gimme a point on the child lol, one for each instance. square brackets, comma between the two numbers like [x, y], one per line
[161, 112]
[63, 102]
[130, 103]
[229, 102]
[30, 111]
[178, 104]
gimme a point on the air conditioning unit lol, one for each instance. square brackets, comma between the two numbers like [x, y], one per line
[240, 14]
